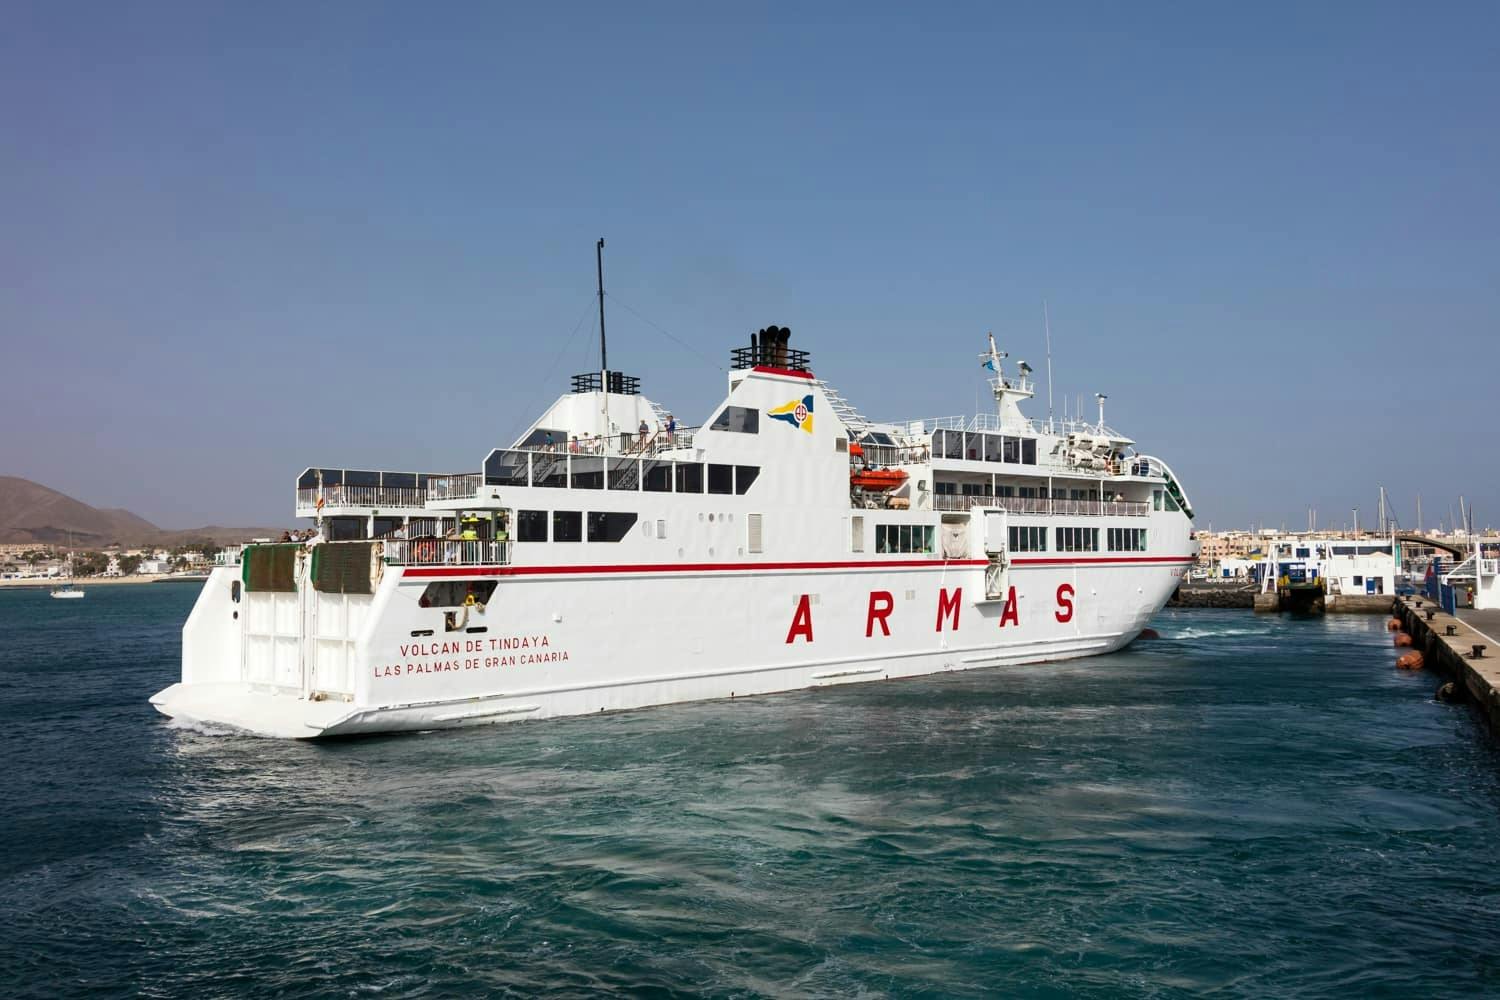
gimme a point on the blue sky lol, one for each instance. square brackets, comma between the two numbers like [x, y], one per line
[242, 239]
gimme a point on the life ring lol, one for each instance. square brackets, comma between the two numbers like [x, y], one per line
[424, 550]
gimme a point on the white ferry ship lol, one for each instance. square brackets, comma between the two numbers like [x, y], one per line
[609, 559]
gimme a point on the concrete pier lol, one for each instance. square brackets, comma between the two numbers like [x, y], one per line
[1452, 655]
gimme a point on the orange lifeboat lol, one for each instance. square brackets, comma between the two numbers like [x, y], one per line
[877, 479]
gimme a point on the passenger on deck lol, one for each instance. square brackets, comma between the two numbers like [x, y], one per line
[645, 429]
[573, 444]
[671, 431]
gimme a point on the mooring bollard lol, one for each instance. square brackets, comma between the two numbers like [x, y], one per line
[1429, 613]
[1478, 651]
[1450, 629]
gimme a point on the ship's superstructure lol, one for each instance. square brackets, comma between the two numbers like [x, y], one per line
[611, 559]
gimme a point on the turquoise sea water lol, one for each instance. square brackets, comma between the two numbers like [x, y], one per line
[1249, 807]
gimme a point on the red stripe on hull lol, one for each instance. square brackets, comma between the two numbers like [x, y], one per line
[443, 571]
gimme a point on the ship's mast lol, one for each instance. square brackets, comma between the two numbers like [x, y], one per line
[603, 347]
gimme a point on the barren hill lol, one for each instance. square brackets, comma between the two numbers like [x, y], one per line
[30, 512]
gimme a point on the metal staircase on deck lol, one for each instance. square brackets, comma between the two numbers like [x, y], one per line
[856, 422]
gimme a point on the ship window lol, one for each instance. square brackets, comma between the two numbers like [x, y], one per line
[505, 468]
[549, 470]
[1028, 539]
[1171, 502]
[737, 419]
[1012, 450]
[455, 593]
[744, 477]
[689, 477]
[994, 447]
[943, 487]
[1303, 553]
[624, 474]
[1359, 581]
[1028, 493]
[1127, 539]
[656, 475]
[531, 525]
[841, 444]
[567, 526]
[1078, 539]
[1028, 451]
[359, 478]
[1005, 490]
[609, 526]
[1156, 499]
[720, 478]
[588, 473]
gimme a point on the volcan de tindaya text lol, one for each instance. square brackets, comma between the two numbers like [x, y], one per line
[613, 559]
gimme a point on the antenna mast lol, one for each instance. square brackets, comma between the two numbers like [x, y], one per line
[1047, 325]
[603, 349]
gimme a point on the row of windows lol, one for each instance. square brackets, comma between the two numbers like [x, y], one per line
[1127, 539]
[568, 525]
[903, 538]
[1005, 490]
[1028, 539]
[593, 472]
[980, 447]
[1078, 539]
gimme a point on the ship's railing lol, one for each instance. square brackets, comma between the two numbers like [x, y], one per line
[460, 487]
[883, 455]
[380, 497]
[1042, 505]
[446, 552]
[620, 444]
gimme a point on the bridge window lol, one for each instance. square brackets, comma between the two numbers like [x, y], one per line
[609, 526]
[545, 438]
[1028, 451]
[720, 478]
[567, 526]
[737, 419]
[531, 525]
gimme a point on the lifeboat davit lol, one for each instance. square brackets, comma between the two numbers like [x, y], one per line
[877, 479]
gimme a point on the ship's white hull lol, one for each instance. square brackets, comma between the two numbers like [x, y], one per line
[583, 640]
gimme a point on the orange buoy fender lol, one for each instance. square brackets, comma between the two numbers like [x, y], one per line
[1410, 661]
[1393, 625]
[1403, 638]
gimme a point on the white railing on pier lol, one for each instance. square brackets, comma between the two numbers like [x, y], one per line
[446, 552]
[1042, 505]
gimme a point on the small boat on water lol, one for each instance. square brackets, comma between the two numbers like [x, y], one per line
[66, 591]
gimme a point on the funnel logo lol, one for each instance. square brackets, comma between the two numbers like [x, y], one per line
[798, 413]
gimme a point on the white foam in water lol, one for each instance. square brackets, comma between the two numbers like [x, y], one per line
[204, 729]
